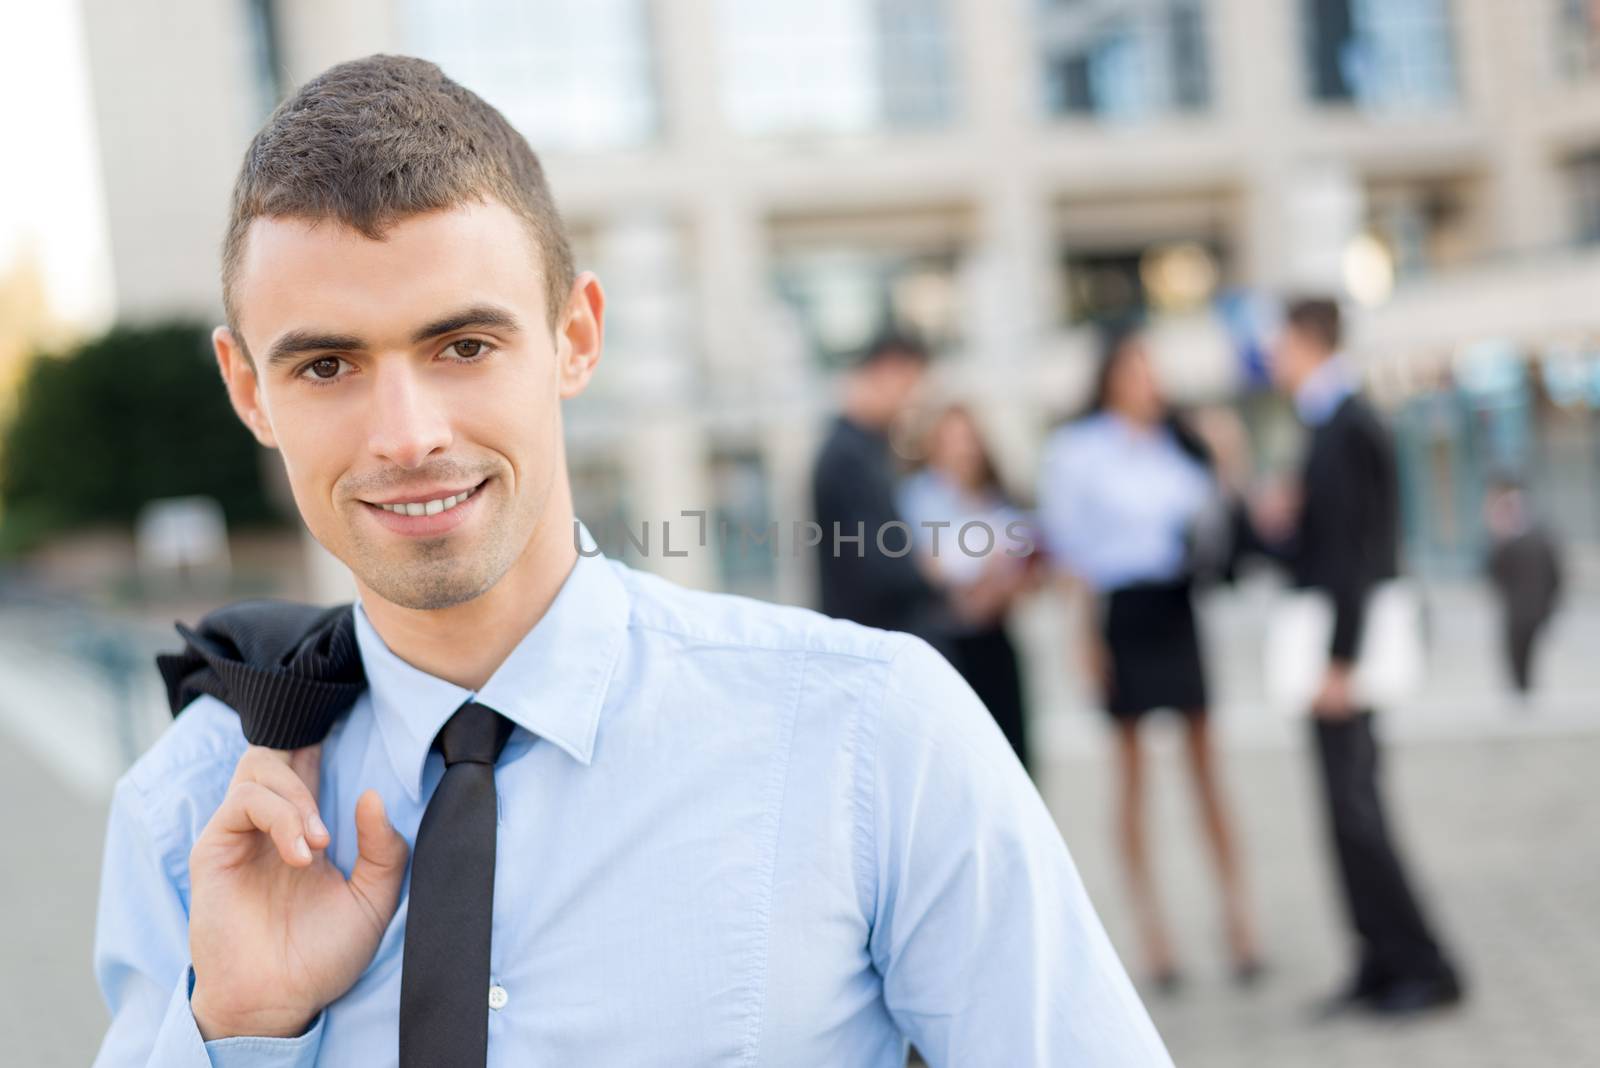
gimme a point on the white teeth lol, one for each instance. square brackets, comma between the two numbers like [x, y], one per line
[428, 507]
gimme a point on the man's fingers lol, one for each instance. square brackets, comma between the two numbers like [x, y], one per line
[381, 861]
[250, 807]
[307, 763]
[280, 772]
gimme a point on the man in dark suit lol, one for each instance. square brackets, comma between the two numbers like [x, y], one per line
[1344, 542]
[863, 576]
[1524, 566]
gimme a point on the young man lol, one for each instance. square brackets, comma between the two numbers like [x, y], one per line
[862, 577]
[1345, 542]
[726, 832]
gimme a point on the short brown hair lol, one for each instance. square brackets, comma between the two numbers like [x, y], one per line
[893, 345]
[1317, 318]
[374, 141]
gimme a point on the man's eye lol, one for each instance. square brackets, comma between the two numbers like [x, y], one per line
[470, 348]
[325, 368]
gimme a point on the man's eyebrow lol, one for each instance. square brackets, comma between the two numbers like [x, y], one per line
[295, 342]
[483, 316]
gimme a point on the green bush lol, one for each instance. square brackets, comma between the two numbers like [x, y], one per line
[135, 414]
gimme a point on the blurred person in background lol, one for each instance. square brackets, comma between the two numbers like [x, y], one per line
[1524, 566]
[853, 499]
[1124, 491]
[1341, 537]
[984, 568]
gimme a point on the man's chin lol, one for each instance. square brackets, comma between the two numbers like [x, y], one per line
[426, 596]
[427, 574]
[426, 584]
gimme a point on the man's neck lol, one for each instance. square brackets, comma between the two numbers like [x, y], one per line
[1323, 390]
[465, 643]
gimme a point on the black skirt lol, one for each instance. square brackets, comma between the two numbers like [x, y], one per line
[988, 661]
[1154, 645]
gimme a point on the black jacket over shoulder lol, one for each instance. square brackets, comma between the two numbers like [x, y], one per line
[853, 486]
[1347, 541]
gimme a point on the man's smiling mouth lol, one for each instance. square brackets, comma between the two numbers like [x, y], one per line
[428, 505]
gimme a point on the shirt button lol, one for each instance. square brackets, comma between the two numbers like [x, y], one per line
[498, 997]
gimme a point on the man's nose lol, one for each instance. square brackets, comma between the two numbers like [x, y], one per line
[409, 423]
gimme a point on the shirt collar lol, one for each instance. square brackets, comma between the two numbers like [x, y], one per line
[1121, 425]
[553, 683]
[1320, 395]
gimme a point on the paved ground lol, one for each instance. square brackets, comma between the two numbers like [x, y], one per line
[1497, 807]
[50, 1009]
[1501, 833]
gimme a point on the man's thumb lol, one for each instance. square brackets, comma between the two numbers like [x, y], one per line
[381, 862]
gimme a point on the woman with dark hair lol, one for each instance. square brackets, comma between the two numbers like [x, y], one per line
[1126, 495]
[976, 543]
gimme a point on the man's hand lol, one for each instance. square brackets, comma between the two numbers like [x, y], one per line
[1275, 511]
[1333, 700]
[276, 931]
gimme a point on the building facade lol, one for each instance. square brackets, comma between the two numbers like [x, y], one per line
[763, 187]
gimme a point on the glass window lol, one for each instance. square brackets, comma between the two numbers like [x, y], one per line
[572, 75]
[1381, 54]
[653, 343]
[1585, 172]
[844, 298]
[1121, 284]
[266, 56]
[740, 525]
[834, 66]
[1578, 38]
[1123, 59]
[1424, 225]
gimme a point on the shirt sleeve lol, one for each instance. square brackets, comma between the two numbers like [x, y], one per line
[1357, 501]
[989, 949]
[141, 961]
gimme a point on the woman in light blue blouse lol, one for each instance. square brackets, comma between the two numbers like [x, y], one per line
[978, 546]
[1123, 492]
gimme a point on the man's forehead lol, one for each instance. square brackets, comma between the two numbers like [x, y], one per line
[299, 273]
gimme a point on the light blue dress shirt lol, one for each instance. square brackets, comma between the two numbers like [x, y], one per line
[731, 833]
[937, 510]
[1116, 501]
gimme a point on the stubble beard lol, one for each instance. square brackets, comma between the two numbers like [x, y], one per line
[428, 574]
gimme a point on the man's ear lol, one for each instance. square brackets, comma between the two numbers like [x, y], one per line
[580, 334]
[239, 375]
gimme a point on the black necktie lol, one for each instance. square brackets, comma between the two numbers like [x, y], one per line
[444, 981]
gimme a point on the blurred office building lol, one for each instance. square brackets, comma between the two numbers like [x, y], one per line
[762, 187]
